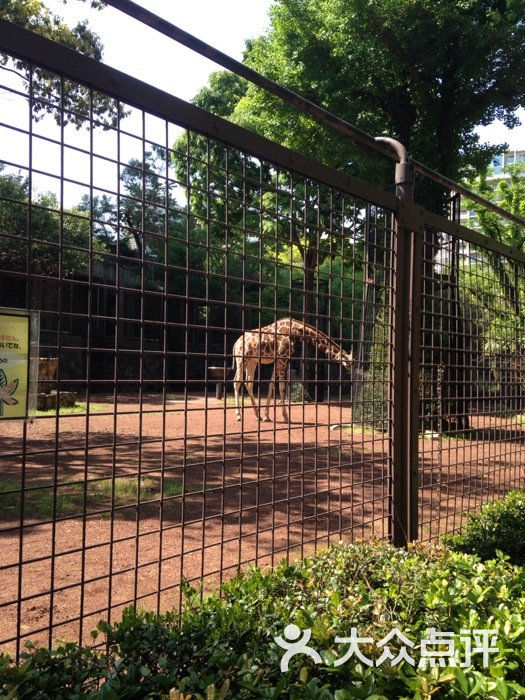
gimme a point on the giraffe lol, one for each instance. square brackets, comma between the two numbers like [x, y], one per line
[274, 344]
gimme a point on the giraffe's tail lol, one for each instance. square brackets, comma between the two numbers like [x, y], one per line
[235, 360]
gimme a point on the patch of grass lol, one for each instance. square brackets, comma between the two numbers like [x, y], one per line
[41, 503]
[173, 487]
[360, 429]
[150, 488]
[461, 435]
[38, 503]
[458, 435]
[78, 408]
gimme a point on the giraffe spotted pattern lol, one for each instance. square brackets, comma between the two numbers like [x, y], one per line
[275, 344]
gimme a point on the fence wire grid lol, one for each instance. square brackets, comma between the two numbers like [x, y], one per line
[151, 247]
[472, 398]
[148, 250]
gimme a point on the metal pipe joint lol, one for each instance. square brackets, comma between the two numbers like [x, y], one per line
[405, 170]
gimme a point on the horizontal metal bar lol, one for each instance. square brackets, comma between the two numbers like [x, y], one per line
[180, 36]
[29, 46]
[474, 237]
[460, 189]
[361, 137]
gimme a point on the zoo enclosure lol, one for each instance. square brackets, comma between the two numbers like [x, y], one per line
[149, 235]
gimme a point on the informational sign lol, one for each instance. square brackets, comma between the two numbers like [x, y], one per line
[14, 364]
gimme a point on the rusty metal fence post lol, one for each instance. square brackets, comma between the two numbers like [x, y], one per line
[404, 345]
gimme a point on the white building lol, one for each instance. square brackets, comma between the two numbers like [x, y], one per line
[468, 217]
[507, 158]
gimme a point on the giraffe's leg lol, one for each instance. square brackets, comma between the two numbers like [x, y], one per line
[250, 373]
[237, 382]
[281, 374]
[269, 398]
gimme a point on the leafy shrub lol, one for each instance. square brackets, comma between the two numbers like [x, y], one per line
[69, 671]
[499, 526]
[225, 648]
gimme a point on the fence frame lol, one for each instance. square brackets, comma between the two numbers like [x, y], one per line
[411, 221]
[410, 218]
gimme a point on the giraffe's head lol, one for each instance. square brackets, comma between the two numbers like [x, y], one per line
[345, 358]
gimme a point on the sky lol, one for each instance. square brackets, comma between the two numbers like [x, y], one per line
[143, 53]
[150, 56]
[225, 24]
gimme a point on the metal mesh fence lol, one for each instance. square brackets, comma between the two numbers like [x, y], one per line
[231, 337]
[472, 391]
[148, 251]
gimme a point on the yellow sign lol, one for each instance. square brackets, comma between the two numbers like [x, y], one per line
[14, 365]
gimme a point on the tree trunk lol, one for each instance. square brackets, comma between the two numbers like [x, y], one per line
[373, 290]
[309, 351]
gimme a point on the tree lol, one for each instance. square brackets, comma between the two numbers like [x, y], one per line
[497, 283]
[223, 193]
[49, 232]
[221, 95]
[422, 71]
[509, 193]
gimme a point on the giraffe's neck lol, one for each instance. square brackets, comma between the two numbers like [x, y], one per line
[309, 334]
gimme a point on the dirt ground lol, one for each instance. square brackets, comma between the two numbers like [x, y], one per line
[216, 495]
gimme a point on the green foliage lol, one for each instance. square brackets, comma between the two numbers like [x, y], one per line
[222, 93]
[495, 282]
[250, 209]
[499, 527]
[48, 229]
[69, 672]
[509, 193]
[224, 647]
[493, 287]
[422, 71]
[34, 15]
[77, 101]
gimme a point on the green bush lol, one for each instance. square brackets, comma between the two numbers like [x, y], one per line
[67, 672]
[225, 647]
[499, 526]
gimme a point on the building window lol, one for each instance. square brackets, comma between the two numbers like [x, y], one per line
[497, 164]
